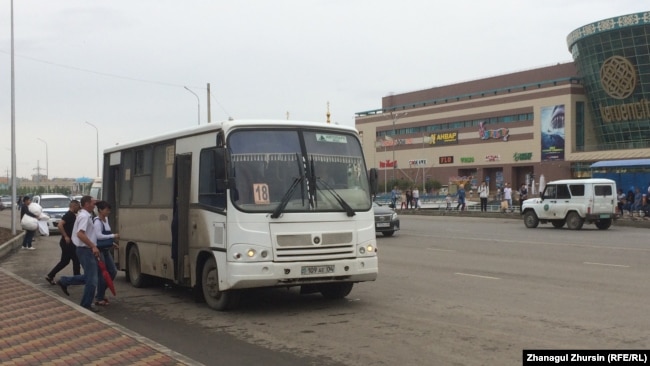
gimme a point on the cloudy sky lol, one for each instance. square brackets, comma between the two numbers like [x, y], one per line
[123, 65]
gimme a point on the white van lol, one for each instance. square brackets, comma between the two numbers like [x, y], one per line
[96, 189]
[573, 202]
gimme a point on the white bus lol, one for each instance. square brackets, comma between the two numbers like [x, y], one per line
[244, 204]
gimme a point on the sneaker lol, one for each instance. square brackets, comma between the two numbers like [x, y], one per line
[31, 248]
[94, 309]
[50, 280]
[63, 287]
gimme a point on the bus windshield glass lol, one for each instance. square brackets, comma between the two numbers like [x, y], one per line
[278, 171]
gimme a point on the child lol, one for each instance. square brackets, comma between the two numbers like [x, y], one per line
[448, 200]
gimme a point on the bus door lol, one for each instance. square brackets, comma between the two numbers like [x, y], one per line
[180, 225]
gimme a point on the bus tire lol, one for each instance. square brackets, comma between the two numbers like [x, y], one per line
[134, 270]
[217, 300]
[336, 290]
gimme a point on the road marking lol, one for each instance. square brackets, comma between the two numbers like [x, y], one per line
[510, 241]
[606, 264]
[441, 250]
[473, 275]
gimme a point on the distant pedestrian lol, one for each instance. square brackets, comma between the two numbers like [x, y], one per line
[523, 195]
[507, 196]
[402, 199]
[409, 198]
[416, 197]
[461, 198]
[29, 234]
[393, 197]
[483, 194]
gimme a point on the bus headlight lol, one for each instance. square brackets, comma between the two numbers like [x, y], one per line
[250, 253]
[369, 249]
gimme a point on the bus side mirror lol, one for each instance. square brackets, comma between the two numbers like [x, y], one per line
[372, 180]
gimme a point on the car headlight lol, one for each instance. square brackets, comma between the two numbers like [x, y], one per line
[393, 217]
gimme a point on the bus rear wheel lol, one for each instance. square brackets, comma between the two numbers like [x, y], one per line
[134, 272]
[217, 300]
[336, 290]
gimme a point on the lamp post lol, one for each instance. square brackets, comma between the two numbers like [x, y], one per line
[97, 134]
[47, 159]
[395, 117]
[198, 103]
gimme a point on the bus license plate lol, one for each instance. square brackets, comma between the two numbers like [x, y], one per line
[604, 216]
[316, 270]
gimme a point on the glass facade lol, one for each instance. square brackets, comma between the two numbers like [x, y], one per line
[613, 58]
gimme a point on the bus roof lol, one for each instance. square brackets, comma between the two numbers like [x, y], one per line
[619, 163]
[226, 126]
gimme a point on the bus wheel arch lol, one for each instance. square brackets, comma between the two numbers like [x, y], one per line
[209, 286]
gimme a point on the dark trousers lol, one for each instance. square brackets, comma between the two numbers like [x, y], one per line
[483, 204]
[68, 253]
[27, 239]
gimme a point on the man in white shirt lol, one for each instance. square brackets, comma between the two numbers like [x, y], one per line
[507, 195]
[416, 197]
[85, 239]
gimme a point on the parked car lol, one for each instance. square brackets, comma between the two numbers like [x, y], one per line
[55, 206]
[386, 220]
[573, 202]
[5, 202]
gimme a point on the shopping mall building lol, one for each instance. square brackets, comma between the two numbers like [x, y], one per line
[553, 121]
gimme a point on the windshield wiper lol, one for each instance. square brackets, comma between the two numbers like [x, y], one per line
[338, 198]
[287, 196]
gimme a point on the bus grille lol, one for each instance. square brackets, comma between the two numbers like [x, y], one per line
[314, 247]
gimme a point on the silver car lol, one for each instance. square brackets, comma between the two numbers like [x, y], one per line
[54, 206]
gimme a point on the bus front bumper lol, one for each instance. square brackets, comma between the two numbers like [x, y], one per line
[274, 274]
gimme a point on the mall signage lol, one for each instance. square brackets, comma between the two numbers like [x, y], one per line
[444, 138]
[418, 162]
[446, 160]
[523, 156]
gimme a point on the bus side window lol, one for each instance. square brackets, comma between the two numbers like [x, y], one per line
[210, 169]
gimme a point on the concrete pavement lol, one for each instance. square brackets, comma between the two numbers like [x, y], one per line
[39, 326]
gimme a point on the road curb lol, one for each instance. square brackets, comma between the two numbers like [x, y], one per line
[11, 245]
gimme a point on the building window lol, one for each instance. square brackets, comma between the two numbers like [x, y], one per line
[580, 126]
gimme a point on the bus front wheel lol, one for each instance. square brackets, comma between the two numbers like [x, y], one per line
[336, 290]
[217, 300]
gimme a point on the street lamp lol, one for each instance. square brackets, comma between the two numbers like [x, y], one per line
[198, 103]
[47, 159]
[395, 117]
[97, 134]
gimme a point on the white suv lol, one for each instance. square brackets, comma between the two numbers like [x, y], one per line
[54, 206]
[573, 202]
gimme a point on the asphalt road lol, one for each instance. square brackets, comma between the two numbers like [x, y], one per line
[451, 291]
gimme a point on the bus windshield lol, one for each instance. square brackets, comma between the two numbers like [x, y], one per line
[278, 171]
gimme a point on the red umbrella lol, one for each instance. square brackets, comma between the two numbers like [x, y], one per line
[106, 275]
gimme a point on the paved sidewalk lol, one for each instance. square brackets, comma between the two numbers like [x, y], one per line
[39, 328]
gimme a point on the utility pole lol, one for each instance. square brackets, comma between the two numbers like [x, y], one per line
[209, 108]
[395, 117]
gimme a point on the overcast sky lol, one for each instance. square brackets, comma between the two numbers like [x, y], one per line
[122, 65]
